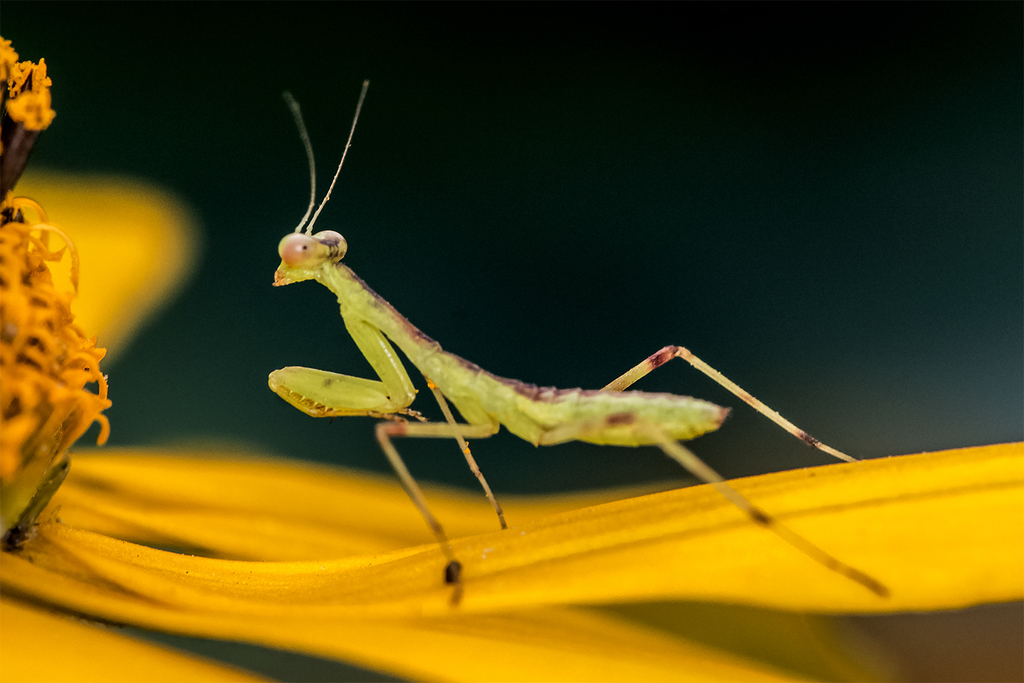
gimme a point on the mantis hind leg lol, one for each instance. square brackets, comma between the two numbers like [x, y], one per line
[650, 432]
[669, 352]
[702, 471]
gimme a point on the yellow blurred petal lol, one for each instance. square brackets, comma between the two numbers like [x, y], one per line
[543, 644]
[39, 646]
[820, 647]
[137, 244]
[539, 644]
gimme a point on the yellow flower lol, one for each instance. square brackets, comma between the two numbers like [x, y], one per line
[241, 547]
[45, 359]
[28, 89]
[45, 363]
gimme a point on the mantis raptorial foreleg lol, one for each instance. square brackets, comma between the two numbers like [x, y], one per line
[666, 354]
[328, 394]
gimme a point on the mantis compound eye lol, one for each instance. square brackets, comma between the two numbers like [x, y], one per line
[305, 251]
[298, 250]
[334, 242]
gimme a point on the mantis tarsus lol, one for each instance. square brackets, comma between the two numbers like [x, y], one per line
[539, 415]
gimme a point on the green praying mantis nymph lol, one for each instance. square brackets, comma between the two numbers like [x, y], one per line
[539, 415]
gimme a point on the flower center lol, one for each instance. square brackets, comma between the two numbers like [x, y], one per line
[46, 365]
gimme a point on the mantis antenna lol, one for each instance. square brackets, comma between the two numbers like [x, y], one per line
[294, 106]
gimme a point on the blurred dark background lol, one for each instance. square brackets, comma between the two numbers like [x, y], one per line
[832, 217]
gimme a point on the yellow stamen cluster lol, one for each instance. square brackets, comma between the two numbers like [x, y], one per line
[46, 361]
[28, 89]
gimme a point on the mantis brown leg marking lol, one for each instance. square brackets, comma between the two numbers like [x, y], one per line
[669, 352]
[464, 447]
[453, 577]
[453, 572]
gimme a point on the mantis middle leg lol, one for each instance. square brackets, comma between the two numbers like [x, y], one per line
[464, 447]
[387, 430]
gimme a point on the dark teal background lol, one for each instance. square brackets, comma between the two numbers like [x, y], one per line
[832, 217]
[824, 201]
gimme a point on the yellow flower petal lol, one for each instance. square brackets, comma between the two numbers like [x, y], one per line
[942, 530]
[236, 506]
[45, 647]
[138, 242]
[819, 647]
[544, 644]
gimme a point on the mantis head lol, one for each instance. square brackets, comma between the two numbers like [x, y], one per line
[304, 256]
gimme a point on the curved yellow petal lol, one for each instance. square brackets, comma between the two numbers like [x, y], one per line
[543, 644]
[538, 644]
[38, 646]
[138, 244]
[940, 530]
[234, 505]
